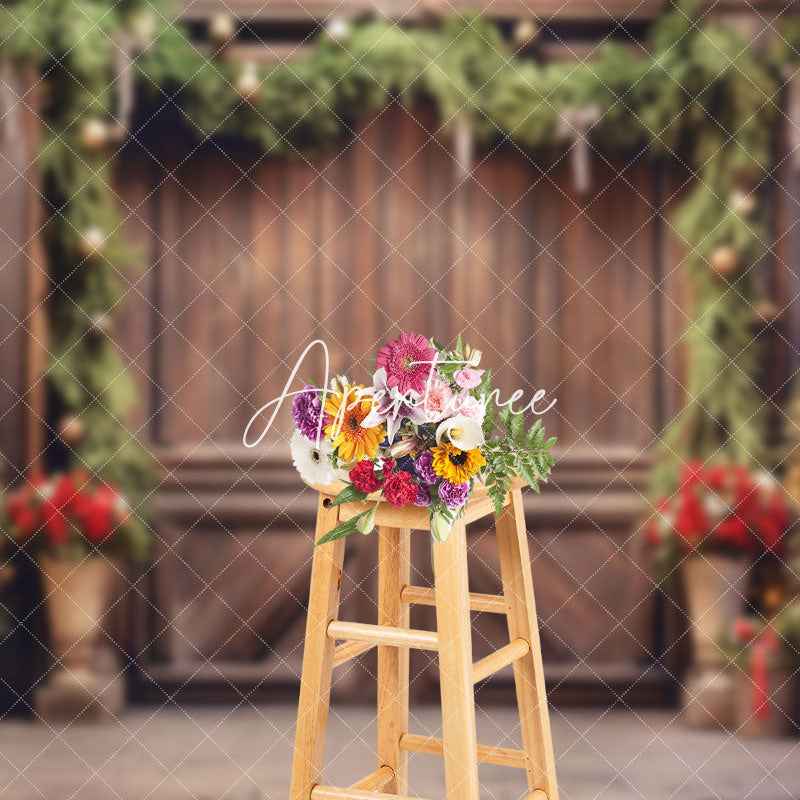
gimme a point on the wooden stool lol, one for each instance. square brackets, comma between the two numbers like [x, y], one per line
[393, 637]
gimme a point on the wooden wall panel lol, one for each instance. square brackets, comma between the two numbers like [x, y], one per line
[253, 257]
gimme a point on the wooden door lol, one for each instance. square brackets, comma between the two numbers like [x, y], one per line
[251, 258]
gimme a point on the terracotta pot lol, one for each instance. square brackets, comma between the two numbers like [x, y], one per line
[715, 586]
[76, 597]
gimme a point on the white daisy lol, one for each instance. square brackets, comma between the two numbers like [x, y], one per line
[312, 462]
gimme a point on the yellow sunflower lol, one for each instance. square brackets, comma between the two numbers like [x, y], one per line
[457, 466]
[346, 411]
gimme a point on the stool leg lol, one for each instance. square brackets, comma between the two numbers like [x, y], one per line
[315, 683]
[455, 666]
[515, 567]
[394, 572]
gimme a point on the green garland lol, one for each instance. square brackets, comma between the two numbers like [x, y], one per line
[700, 96]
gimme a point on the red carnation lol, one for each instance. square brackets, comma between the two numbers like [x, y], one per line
[388, 467]
[364, 478]
[399, 489]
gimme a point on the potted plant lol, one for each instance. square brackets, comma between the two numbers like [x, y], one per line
[76, 526]
[719, 520]
[765, 655]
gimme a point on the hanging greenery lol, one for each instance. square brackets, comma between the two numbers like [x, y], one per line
[697, 94]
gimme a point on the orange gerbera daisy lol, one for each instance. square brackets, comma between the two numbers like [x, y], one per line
[346, 411]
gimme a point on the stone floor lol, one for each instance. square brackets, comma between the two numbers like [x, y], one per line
[245, 754]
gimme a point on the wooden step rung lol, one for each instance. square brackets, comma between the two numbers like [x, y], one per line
[537, 794]
[494, 662]
[423, 596]
[504, 756]
[348, 651]
[332, 793]
[375, 781]
[383, 635]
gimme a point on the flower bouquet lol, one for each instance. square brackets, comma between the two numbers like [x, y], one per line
[422, 434]
[719, 508]
[71, 514]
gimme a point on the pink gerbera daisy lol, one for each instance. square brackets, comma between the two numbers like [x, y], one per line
[408, 362]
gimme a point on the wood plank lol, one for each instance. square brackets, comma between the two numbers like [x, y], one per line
[383, 635]
[394, 571]
[315, 682]
[37, 278]
[487, 754]
[501, 658]
[423, 596]
[334, 793]
[376, 781]
[348, 651]
[455, 665]
[515, 570]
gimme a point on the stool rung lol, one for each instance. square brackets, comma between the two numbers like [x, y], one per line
[504, 756]
[332, 793]
[537, 794]
[348, 651]
[375, 781]
[383, 634]
[423, 596]
[506, 655]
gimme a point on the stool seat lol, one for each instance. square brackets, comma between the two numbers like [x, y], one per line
[452, 641]
[412, 517]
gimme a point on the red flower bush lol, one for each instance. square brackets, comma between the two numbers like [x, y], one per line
[722, 507]
[65, 507]
[400, 490]
[364, 478]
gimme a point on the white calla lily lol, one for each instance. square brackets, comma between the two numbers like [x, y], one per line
[463, 432]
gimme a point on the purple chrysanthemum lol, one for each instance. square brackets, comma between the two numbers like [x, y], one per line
[423, 466]
[423, 497]
[306, 412]
[453, 495]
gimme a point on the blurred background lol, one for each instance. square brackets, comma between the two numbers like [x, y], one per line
[192, 194]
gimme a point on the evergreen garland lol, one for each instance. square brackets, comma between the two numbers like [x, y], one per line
[700, 95]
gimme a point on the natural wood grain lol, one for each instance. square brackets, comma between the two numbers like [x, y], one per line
[537, 794]
[394, 571]
[37, 280]
[315, 682]
[494, 662]
[376, 781]
[348, 651]
[515, 570]
[503, 756]
[423, 596]
[382, 635]
[455, 665]
[332, 793]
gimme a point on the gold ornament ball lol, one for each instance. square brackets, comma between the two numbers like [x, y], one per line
[95, 134]
[221, 29]
[248, 83]
[743, 202]
[337, 29]
[91, 242]
[70, 430]
[525, 33]
[724, 260]
[101, 322]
